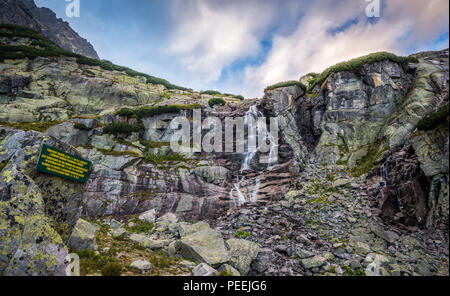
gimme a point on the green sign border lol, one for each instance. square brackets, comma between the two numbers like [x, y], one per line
[42, 168]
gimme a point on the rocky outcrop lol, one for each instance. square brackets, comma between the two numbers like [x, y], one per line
[412, 185]
[48, 89]
[25, 13]
[286, 103]
[403, 196]
[37, 211]
[357, 106]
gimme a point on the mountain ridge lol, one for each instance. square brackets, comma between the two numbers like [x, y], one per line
[43, 20]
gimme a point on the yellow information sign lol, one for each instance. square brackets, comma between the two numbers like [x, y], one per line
[62, 164]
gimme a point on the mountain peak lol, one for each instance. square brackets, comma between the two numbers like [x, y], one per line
[43, 20]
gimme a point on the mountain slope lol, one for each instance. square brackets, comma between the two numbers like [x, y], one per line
[356, 189]
[43, 20]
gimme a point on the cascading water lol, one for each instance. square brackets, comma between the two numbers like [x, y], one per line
[251, 117]
[254, 196]
[250, 153]
[383, 173]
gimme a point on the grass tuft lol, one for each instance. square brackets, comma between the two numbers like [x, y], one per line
[286, 84]
[216, 101]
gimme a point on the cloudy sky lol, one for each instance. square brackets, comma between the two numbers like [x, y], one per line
[241, 46]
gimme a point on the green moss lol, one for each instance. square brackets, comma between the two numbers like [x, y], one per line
[286, 84]
[40, 126]
[332, 269]
[140, 226]
[112, 269]
[243, 234]
[210, 92]
[239, 97]
[81, 126]
[355, 65]
[145, 112]
[434, 119]
[122, 128]
[152, 111]
[367, 163]
[93, 263]
[216, 101]
[225, 273]
[125, 112]
[189, 106]
[160, 159]
[3, 164]
[350, 272]
[331, 177]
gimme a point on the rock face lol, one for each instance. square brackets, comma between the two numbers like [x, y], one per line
[58, 88]
[37, 211]
[414, 173]
[352, 182]
[283, 103]
[357, 107]
[25, 13]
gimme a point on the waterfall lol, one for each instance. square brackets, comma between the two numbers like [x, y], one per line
[254, 196]
[383, 173]
[237, 188]
[250, 121]
[273, 154]
[251, 115]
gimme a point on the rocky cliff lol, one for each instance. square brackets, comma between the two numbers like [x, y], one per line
[359, 185]
[25, 13]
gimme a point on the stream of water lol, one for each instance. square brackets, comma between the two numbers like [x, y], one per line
[251, 117]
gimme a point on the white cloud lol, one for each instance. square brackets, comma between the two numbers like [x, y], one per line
[311, 48]
[210, 35]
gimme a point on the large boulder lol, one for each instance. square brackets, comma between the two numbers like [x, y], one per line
[262, 261]
[37, 211]
[83, 236]
[184, 228]
[242, 253]
[204, 246]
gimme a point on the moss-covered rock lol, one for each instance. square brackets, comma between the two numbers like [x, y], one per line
[204, 246]
[83, 236]
[242, 253]
[37, 211]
